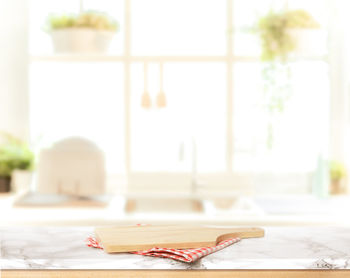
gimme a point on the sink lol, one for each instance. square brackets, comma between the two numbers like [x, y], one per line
[163, 204]
[212, 204]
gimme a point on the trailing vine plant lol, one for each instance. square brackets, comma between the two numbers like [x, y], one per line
[277, 44]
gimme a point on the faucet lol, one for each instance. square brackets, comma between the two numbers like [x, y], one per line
[194, 182]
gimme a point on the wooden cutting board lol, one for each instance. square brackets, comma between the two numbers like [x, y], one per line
[134, 238]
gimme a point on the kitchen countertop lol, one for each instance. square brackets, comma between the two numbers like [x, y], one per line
[63, 248]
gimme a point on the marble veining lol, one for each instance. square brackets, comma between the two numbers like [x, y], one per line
[281, 248]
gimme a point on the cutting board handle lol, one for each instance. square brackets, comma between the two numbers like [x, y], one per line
[241, 233]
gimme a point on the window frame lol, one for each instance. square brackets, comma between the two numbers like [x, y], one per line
[229, 59]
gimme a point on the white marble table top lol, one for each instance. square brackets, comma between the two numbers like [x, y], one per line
[281, 248]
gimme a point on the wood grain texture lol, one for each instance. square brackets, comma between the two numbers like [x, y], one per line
[135, 238]
[174, 273]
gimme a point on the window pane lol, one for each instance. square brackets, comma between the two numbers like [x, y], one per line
[163, 139]
[299, 131]
[63, 104]
[167, 27]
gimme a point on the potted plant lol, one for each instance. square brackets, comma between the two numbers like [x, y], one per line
[282, 33]
[338, 177]
[87, 32]
[14, 154]
[288, 31]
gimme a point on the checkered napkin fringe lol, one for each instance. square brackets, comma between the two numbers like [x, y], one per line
[184, 255]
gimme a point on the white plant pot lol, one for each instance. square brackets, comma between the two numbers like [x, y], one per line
[81, 40]
[309, 42]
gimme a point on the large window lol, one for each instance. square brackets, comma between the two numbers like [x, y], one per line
[214, 122]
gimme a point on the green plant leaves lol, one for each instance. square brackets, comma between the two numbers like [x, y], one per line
[275, 41]
[92, 19]
[337, 170]
[14, 154]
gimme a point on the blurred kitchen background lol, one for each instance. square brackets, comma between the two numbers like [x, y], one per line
[228, 112]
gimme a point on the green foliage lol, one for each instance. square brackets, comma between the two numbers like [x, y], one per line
[14, 154]
[300, 19]
[61, 21]
[276, 43]
[92, 19]
[337, 170]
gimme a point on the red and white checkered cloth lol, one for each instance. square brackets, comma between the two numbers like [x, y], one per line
[184, 255]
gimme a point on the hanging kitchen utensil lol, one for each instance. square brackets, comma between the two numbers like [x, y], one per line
[145, 98]
[161, 98]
